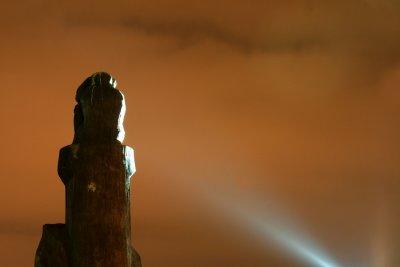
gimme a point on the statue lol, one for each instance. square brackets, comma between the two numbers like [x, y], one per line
[96, 120]
[96, 170]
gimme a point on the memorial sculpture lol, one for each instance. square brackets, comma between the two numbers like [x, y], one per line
[96, 170]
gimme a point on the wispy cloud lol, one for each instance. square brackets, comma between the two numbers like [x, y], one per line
[189, 32]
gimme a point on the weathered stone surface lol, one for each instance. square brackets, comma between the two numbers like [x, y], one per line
[53, 248]
[97, 181]
[96, 171]
[134, 258]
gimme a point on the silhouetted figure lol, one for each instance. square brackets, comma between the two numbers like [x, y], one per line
[96, 171]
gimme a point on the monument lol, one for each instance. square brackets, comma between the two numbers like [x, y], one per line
[96, 170]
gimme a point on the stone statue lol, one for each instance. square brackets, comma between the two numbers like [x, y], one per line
[96, 171]
[96, 120]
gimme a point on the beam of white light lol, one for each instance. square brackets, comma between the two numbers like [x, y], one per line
[380, 241]
[271, 224]
[279, 233]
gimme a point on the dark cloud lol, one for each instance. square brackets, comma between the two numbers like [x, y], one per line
[193, 32]
[18, 227]
[362, 35]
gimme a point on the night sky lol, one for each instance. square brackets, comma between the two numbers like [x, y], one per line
[266, 133]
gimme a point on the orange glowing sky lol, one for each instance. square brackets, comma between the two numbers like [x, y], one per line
[296, 102]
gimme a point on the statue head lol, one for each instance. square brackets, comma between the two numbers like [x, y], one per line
[100, 110]
[98, 79]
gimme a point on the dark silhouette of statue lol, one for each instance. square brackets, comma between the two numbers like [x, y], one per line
[96, 171]
[97, 120]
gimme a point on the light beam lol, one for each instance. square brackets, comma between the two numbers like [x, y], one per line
[269, 224]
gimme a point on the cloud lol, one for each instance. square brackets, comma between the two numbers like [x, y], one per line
[195, 30]
[361, 35]
[191, 32]
[18, 227]
[365, 30]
